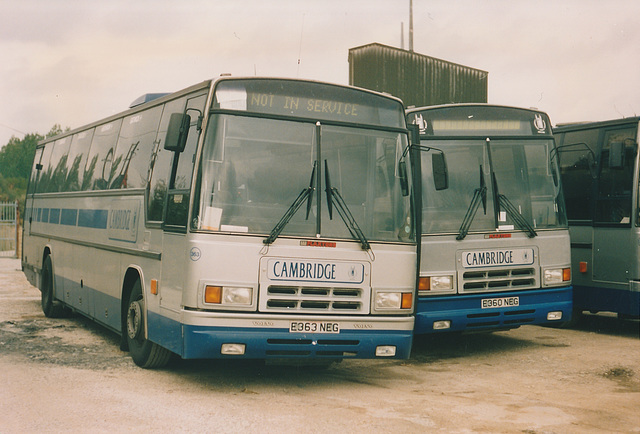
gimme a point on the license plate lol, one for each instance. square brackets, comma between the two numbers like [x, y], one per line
[314, 327]
[492, 303]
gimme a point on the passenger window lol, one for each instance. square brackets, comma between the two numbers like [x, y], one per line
[576, 168]
[613, 204]
[98, 169]
[76, 160]
[46, 170]
[57, 170]
[135, 145]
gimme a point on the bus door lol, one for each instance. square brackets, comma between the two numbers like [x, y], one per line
[177, 212]
[614, 243]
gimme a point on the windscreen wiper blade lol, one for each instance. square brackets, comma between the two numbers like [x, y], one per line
[502, 201]
[479, 196]
[335, 198]
[516, 216]
[305, 194]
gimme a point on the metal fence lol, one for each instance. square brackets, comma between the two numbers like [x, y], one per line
[8, 229]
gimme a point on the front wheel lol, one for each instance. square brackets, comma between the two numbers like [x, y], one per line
[144, 353]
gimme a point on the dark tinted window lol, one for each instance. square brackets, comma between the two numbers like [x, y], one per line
[98, 170]
[76, 160]
[577, 168]
[130, 167]
[613, 201]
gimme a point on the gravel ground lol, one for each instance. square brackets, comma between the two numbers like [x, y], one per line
[68, 375]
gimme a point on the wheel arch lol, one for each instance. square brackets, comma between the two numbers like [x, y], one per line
[47, 251]
[131, 276]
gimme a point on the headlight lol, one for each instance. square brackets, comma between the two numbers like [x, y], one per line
[556, 276]
[228, 295]
[435, 283]
[393, 300]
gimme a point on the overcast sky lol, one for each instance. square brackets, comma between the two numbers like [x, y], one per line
[71, 62]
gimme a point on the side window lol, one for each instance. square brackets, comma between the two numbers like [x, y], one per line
[98, 169]
[136, 143]
[577, 170]
[46, 171]
[180, 184]
[76, 160]
[160, 164]
[188, 156]
[35, 171]
[613, 201]
[58, 163]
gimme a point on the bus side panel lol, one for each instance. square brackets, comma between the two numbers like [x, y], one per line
[596, 299]
[466, 313]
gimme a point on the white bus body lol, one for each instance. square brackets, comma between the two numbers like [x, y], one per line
[238, 218]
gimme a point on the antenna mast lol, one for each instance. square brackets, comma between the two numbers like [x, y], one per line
[411, 25]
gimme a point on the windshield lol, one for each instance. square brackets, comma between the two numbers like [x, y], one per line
[253, 169]
[523, 175]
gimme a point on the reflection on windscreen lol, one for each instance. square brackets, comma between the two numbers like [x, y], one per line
[523, 174]
[253, 169]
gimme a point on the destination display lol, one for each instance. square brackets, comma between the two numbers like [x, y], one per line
[308, 100]
[296, 270]
[483, 121]
[497, 257]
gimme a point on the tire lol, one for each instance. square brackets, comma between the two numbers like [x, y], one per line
[144, 353]
[51, 307]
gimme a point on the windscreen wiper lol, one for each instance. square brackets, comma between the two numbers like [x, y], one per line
[479, 196]
[335, 198]
[516, 216]
[305, 194]
[502, 201]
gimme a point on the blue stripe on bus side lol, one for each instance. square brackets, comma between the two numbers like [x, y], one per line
[84, 218]
[93, 218]
[69, 217]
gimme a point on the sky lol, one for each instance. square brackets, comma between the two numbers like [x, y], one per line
[72, 62]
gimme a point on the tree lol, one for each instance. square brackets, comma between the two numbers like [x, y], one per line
[16, 157]
[16, 160]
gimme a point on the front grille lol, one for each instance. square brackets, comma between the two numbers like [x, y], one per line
[315, 300]
[498, 279]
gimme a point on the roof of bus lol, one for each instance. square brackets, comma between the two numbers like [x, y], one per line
[472, 104]
[586, 125]
[202, 85]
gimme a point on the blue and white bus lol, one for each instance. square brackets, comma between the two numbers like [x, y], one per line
[599, 169]
[494, 243]
[238, 218]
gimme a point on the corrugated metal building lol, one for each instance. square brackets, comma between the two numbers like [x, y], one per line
[417, 79]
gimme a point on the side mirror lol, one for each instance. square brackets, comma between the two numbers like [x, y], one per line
[414, 133]
[440, 173]
[616, 155]
[404, 181]
[177, 131]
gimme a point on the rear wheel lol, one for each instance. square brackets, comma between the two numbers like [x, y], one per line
[144, 353]
[51, 307]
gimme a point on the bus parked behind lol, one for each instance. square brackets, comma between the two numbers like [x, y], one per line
[599, 169]
[495, 242]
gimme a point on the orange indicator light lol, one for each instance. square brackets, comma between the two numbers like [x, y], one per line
[213, 294]
[407, 300]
